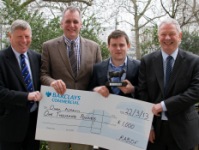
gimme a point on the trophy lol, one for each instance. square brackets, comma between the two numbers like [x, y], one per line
[113, 74]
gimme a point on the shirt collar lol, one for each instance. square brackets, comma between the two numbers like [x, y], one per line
[68, 41]
[17, 54]
[174, 54]
[122, 65]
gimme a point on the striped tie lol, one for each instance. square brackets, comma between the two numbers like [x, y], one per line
[73, 58]
[27, 80]
[26, 74]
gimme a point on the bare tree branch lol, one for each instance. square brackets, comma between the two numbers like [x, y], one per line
[164, 8]
[26, 3]
[87, 2]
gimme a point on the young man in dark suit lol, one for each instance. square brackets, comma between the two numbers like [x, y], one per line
[119, 64]
[19, 95]
[169, 78]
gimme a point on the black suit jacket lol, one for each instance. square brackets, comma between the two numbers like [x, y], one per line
[183, 93]
[14, 113]
[100, 74]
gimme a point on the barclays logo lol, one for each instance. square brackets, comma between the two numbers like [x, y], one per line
[48, 94]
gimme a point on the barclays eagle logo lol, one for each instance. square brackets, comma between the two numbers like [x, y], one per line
[48, 94]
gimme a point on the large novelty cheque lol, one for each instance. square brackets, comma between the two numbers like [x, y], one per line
[88, 118]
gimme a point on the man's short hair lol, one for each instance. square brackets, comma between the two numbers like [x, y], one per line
[116, 34]
[20, 24]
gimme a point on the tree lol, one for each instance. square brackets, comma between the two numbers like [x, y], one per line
[25, 3]
[40, 27]
[149, 40]
[190, 42]
[91, 31]
[139, 12]
[44, 29]
[87, 2]
[185, 11]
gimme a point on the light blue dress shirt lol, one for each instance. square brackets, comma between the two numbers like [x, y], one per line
[17, 55]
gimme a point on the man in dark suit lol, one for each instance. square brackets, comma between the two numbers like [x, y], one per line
[169, 78]
[63, 69]
[18, 102]
[119, 62]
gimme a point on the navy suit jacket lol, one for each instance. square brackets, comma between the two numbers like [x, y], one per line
[100, 75]
[14, 112]
[183, 93]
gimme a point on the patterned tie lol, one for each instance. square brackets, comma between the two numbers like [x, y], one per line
[115, 90]
[27, 78]
[168, 71]
[73, 58]
[26, 74]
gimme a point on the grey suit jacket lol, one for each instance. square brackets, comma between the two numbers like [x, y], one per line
[56, 64]
[100, 74]
[183, 93]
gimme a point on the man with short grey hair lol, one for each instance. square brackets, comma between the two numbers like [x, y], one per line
[67, 63]
[19, 90]
[169, 78]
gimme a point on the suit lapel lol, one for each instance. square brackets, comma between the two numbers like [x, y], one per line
[13, 63]
[33, 68]
[129, 68]
[62, 49]
[159, 70]
[105, 70]
[84, 55]
[178, 65]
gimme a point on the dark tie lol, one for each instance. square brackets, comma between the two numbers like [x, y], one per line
[73, 58]
[26, 76]
[168, 71]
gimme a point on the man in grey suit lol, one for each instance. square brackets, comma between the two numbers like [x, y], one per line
[169, 78]
[67, 62]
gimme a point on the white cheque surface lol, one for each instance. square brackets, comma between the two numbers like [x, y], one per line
[85, 117]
